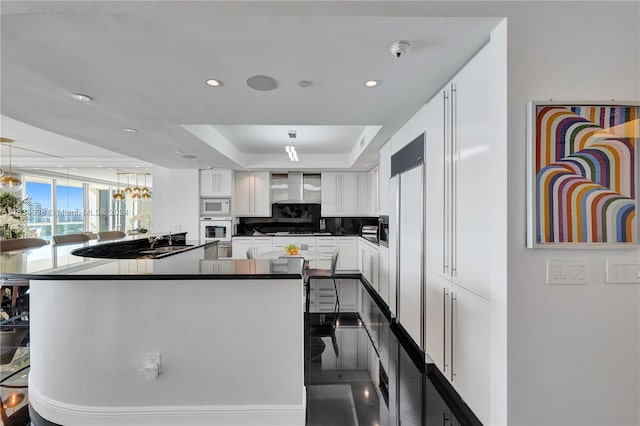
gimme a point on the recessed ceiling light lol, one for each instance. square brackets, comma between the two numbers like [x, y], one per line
[189, 156]
[178, 152]
[371, 83]
[98, 166]
[304, 83]
[212, 82]
[81, 97]
[130, 130]
[138, 167]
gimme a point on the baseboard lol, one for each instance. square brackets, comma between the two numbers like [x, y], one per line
[458, 407]
[48, 412]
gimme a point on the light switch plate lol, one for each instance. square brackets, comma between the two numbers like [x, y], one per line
[623, 271]
[566, 271]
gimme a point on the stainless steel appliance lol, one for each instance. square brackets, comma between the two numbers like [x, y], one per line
[215, 207]
[383, 231]
[406, 239]
[370, 232]
[217, 228]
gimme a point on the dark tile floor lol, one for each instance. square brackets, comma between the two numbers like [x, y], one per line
[358, 370]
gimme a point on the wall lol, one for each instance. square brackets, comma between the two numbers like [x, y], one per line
[176, 201]
[209, 374]
[573, 351]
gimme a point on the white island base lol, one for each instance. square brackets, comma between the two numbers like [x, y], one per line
[231, 351]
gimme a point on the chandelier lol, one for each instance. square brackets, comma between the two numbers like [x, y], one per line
[9, 183]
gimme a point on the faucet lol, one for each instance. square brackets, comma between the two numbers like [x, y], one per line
[154, 240]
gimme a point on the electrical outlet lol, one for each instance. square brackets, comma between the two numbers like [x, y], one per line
[153, 358]
[566, 271]
[623, 271]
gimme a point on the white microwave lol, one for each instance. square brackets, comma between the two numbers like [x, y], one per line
[215, 207]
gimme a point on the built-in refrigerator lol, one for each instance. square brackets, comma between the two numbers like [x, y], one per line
[406, 239]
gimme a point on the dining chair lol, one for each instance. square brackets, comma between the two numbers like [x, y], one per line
[249, 254]
[15, 245]
[111, 235]
[21, 243]
[91, 235]
[70, 238]
[326, 273]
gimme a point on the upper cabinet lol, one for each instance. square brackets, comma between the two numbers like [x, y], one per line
[459, 168]
[252, 194]
[345, 194]
[384, 174]
[215, 183]
[374, 199]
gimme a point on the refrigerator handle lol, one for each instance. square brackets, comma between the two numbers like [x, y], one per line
[397, 201]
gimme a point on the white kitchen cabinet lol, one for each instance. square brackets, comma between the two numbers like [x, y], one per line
[458, 229]
[325, 245]
[374, 199]
[368, 262]
[383, 273]
[384, 174]
[240, 245]
[347, 254]
[215, 183]
[253, 194]
[458, 337]
[345, 194]
[458, 143]
[471, 317]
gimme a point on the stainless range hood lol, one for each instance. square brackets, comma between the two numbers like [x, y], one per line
[295, 193]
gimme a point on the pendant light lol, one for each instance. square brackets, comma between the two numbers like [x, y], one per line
[136, 190]
[128, 189]
[146, 194]
[9, 183]
[118, 194]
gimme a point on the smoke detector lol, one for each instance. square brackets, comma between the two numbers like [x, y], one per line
[400, 48]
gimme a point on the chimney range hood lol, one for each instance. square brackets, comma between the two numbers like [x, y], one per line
[295, 190]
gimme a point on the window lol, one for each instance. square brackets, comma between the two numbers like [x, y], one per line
[61, 206]
[40, 215]
[69, 208]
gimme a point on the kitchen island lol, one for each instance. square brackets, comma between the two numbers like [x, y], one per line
[228, 335]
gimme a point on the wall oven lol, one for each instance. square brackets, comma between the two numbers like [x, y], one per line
[217, 228]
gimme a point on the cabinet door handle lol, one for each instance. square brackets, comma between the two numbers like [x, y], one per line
[454, 181]
[444, 328]
[453, 334]
[445, 216]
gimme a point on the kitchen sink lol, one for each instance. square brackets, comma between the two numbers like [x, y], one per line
[164, 249]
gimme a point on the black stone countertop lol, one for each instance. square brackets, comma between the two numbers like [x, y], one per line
[53, 262]
[294, 234]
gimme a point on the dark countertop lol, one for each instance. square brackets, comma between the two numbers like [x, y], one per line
[54, 262]
[294, 234]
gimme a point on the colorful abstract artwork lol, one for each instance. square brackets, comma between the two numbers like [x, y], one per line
[583, 187]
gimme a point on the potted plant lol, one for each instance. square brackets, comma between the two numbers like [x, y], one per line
[13, 217]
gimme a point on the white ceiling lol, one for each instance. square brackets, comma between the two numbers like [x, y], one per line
[145, 63]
